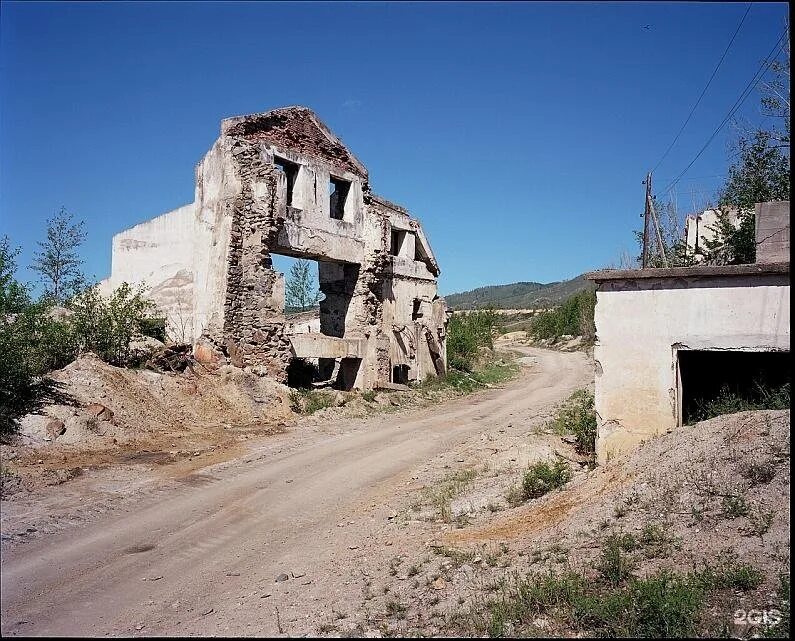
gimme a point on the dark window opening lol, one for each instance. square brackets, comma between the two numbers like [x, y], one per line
[400, 374]
[419, 250]
[397, 239]
[290, 170]
[338, 194]
[722, 382]
[301, 373]
[416, 314]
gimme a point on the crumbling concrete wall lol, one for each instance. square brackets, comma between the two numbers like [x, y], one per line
[772, 231]
[643, 317]
[281, 182]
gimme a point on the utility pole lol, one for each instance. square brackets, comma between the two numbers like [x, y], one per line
[644, 261]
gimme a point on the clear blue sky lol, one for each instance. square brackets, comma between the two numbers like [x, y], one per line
[518, 133]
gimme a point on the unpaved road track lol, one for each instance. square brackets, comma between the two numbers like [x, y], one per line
[203, 560]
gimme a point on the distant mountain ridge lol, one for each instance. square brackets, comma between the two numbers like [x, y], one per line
[521, 295]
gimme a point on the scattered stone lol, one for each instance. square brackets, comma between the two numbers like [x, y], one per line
[282, 577]
[140, 626]
[210, 611]
[393, 514]
[388, 543]
[233, 574]
[100, 411]
[298, 575]
[55, 428]
[353, 547]
[265, 595]
[569, 438]
[439, 584]
[151, 578]
[288, 480]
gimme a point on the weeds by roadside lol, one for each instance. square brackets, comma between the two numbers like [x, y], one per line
[446, 489]
[662, 604]
[306, 401]
[541, 478]
[577, 416]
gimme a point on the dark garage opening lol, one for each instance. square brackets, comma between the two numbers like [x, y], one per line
[708, 374]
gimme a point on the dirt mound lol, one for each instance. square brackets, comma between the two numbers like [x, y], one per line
[690, 477]
[109, 405]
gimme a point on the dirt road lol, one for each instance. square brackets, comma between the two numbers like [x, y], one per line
[204, 559]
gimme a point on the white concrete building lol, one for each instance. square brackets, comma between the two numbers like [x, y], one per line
[668, 340]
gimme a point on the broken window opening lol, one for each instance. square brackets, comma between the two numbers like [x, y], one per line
[338, 195]
[713, 382]
[290, 170]
[400, 374]
[397, 240]
[416, 312]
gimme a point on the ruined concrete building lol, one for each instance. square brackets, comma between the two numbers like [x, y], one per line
[282, 183]
[668, 341]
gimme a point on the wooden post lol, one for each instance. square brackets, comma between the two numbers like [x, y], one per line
[644, 261]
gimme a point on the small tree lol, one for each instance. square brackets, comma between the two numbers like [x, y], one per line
[57, 261]
[22, 387]
[300, 292]
[107, 326]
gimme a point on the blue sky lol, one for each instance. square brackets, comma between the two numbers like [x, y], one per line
[518, 133]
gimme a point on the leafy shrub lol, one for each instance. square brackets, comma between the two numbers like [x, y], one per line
[107, 326]
[465, 334]
[577, 416]
[574, 317]
[23, 364]
[543, 477]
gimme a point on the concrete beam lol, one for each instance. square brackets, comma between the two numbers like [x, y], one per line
[321, 346]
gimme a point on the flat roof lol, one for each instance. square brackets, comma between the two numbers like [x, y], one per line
[688, 272]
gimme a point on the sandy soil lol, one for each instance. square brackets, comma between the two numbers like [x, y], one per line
[295, 535]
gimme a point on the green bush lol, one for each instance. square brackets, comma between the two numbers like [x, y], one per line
[107, 326]
[543, 477]
[465, 334]
[574, 317]
[23, 325]
[577, 416]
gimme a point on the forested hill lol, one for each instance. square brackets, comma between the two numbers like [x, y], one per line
[518, 295]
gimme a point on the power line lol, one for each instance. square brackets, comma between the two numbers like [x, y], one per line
[745, 93]
[709, 82]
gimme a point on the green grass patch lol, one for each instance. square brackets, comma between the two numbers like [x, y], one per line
[663, 605]
[305, 401]
[491, 373]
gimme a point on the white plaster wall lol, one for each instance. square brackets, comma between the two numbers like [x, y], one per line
[637, 332]
[158, 254]
[154, 250]
[216, 185]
